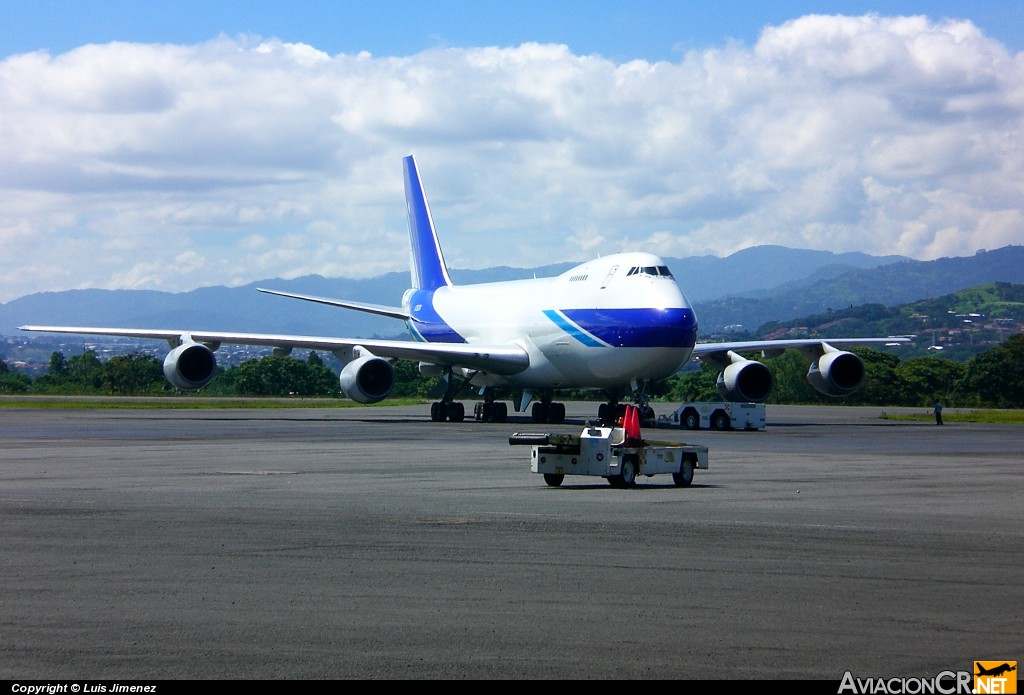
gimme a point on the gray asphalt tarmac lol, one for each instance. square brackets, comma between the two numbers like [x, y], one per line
[373, 543]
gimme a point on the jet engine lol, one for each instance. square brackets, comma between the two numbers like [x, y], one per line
[836, 373]
[190, 366]
[368, 379]
[745, 381]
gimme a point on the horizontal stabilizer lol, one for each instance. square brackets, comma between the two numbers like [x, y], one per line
[395, 312]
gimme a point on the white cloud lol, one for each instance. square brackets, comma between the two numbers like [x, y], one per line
[171, 166]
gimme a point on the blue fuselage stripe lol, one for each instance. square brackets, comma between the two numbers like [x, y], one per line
[674, 327]
[572, 330]
[426, 324]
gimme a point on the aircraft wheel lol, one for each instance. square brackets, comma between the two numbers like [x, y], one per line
[719, 421]
[556, 413]
[539, 412]
[456, 412]
[603, 413]
[553, 479]
[438, 411]
[691, 420]
[685, 475]
[481, 411]
[499, 412]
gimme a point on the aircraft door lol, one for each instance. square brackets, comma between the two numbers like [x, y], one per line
[608, 277]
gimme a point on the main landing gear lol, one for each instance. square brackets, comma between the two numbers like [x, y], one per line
[545, 411]
[490, 410]
[455, 411]
[451, 410]
[447, 410]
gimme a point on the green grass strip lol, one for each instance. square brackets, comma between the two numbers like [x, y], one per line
[987, 416]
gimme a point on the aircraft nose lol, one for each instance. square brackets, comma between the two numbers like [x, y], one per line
[680, 326]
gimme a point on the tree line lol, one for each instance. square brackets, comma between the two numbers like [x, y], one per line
[139, 374]
[994, 378]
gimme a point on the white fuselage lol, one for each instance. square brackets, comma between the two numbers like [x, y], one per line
[601, 324]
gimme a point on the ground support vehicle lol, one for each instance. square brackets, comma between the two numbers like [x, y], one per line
[719, 415]
[608, 453]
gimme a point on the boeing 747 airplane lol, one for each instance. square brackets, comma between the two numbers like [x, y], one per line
[616, 323]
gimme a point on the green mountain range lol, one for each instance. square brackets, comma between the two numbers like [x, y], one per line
[832, 288]
[955, 325]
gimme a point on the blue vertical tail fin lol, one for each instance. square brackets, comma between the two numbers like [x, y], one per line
[427, 263]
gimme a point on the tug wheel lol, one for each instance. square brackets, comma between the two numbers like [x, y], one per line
[691, 420]
[685, 475]
[553, 479]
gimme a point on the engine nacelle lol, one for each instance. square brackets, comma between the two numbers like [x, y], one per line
[836, 373]
[190, 366]
[745, 381]
[368, 379]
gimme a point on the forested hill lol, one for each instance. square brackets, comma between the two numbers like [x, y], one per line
[891, 285]
[957, 324]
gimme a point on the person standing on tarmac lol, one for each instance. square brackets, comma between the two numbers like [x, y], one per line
[938, 412]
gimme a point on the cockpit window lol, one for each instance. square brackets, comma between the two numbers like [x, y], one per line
[652, 270]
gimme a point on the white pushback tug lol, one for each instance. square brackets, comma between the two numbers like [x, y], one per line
[618, 454]
[716, 415]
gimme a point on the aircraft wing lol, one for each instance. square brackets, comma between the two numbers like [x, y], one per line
[495, 359]
[812, 347]
[833, 371]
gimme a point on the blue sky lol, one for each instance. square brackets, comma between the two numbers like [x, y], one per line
[173, 145]
[649, 29]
